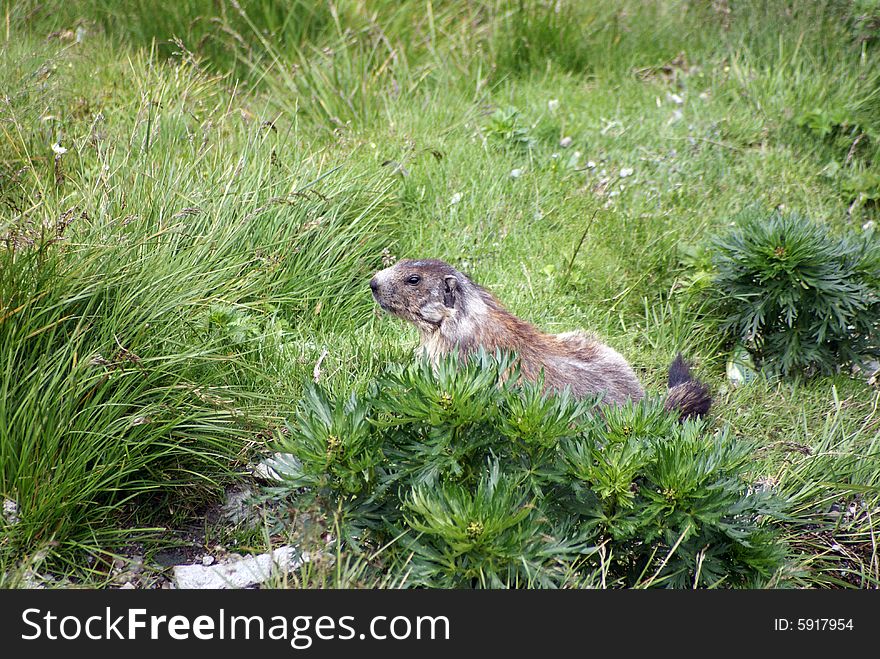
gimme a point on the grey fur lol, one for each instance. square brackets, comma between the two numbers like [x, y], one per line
[452, 312]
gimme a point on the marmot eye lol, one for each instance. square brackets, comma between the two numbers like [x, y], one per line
[413, 279]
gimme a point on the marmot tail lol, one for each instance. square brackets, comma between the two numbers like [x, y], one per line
[686, 394]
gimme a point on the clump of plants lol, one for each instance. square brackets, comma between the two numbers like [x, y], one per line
[801, 299]
[470, 478]
[505, 128]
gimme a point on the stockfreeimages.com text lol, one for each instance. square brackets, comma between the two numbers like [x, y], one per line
[300, 631]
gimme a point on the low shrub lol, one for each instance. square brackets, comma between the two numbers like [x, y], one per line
[801, 299]
[478, 480]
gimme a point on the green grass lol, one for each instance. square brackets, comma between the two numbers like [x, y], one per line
[233, 176]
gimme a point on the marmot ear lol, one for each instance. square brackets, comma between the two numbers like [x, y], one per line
[450, 291]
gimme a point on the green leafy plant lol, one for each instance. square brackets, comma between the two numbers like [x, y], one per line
[483, 536]
[477, 479]
[863, 188]
[841, 127]
[801, 299]
[825, 122]
[504, 126]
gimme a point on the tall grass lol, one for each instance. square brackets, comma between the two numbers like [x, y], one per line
[153, 288]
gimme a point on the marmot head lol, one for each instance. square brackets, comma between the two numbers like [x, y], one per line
[424, 292]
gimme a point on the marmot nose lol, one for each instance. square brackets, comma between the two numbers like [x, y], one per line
[374, 285]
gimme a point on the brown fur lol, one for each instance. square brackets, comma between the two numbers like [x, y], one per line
[451, 313]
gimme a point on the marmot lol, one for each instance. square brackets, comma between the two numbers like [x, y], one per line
[451, 311]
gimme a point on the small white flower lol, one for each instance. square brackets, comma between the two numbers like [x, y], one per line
[516, 173]
[674, 98]
[58, 149]
[591, 164]
[10, 511]
[455, 198]
[553, 105]
[626, 171]
[868, 226]
[704, 96]
[565, 142]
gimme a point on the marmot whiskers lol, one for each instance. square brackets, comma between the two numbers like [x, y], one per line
[452, 312]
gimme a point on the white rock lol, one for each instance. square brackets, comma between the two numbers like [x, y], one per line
[565, 142]
[207, 559]
[455, 198]
[516, 173]
[674, 98]
[626, 171]
[591, 164]
[243, 573]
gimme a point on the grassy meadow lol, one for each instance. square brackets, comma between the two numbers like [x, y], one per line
[193, 197]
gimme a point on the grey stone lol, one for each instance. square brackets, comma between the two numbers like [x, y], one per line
[244, 572]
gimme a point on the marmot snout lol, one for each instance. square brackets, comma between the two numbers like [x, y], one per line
[452, 312]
